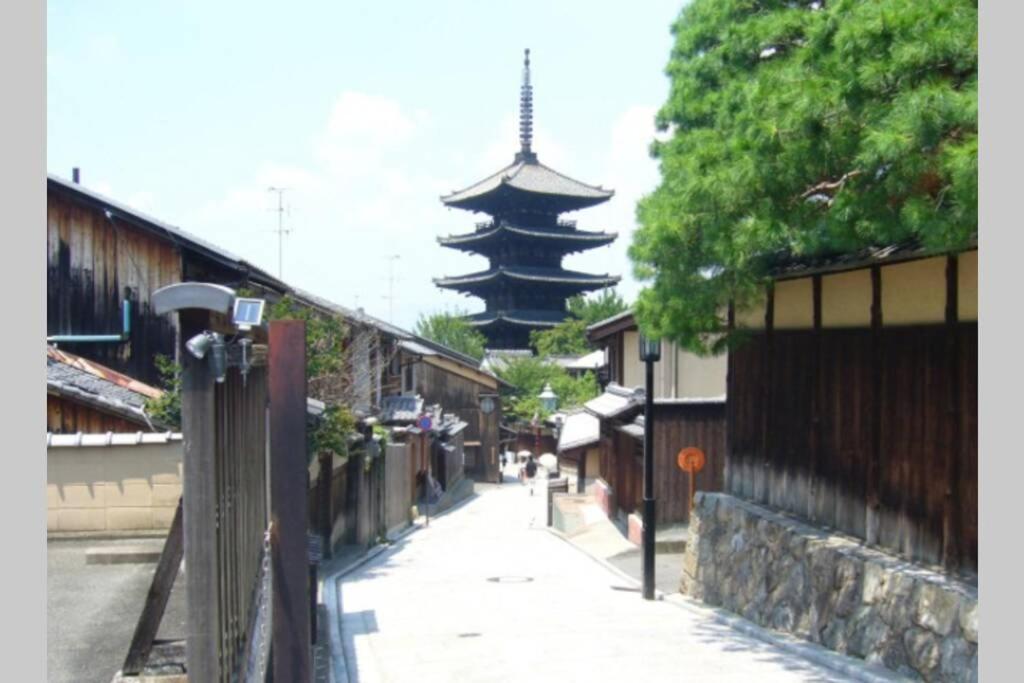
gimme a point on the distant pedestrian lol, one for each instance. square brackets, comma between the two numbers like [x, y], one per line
[531, 472]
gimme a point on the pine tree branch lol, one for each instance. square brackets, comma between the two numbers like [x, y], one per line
[830, 187]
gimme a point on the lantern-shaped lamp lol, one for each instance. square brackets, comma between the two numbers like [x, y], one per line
[650, 349]
[548, 399]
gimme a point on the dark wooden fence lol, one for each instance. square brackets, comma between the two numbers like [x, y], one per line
[676, 426]
[366, 502]
[701, 425]
[870, 432]
[226, 509]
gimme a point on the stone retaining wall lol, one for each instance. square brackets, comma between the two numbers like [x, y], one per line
[784, 574]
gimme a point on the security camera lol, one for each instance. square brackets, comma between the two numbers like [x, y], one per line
[212, 343]
[201, 343]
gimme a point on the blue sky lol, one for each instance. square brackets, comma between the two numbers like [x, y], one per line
[366, 111]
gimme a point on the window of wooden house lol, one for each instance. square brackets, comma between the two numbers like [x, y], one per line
[409, 379]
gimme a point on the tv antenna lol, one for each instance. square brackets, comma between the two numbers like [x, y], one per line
[281, 231]
[391, 287]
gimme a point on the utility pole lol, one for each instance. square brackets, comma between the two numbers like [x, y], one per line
[391, 287]
[280, 228]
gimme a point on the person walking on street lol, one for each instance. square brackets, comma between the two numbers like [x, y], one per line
[531, 472]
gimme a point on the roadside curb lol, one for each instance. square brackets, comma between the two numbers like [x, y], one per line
[811, 652]
[338, 671]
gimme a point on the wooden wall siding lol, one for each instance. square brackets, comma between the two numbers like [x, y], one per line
[968, 474]
[91, 264]
[676, 427]
[774, 458]
[461, 396]
[67, 417]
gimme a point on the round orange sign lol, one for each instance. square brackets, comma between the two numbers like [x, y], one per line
[690, 460]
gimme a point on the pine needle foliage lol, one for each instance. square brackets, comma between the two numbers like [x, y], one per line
[451, 330]
[803, 128]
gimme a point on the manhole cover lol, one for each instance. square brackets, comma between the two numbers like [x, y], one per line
[510, 579]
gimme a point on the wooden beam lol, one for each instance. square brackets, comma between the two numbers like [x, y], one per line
[198, 423]
[292, 659]
[817, 403]
[872, 509]
[952, 454]
[730, 376]
[763, 464]
[156, 600]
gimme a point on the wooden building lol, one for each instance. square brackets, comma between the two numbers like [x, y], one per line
[689, 410]
[104, 260]
[525, 286]
[389, 361]
[854, 404]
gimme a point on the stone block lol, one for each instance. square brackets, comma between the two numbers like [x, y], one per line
[130, 518]
[163, 517]
[867, 632]
[936, 607]
[923, 653]
[166, 495]
[849, 571]
[954, 658]
[834, 636]
[81, 495]
[969, 619]
[130, 493]
[52, 520]
[81, 519]
[874, 583]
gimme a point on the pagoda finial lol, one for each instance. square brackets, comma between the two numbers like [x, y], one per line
[526, 113]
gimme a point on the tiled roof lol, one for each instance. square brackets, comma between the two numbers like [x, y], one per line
[84, 381]
[782, 265]
[579, 429]
[172, 232]
[529, 274]
[615, 401]
[533, 177]
[580, 239]
[530, 318]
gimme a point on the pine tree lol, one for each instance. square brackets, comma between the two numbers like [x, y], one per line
[802, 128]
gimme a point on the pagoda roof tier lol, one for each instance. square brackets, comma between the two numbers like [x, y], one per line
[570, 239]
[520, 274]
[520, 317]
[527, 184]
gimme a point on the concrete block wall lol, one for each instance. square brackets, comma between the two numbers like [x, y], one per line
[112, 488]
[781, 573]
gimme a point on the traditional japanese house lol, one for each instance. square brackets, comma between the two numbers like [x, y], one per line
[525, 287]
[104, 260]
[689, 411]
[855, 402]
[389, 361]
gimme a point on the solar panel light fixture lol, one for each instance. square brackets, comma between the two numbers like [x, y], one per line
[212, 344]
[247, 313]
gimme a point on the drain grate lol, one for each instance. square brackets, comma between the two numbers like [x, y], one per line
[470, 635]
[628, 589]
[510, 579]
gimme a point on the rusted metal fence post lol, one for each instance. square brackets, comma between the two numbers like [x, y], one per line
[292, 654]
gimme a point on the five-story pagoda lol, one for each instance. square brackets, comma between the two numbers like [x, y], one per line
[525, 287]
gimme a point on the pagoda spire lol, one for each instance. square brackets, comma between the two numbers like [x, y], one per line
[526, 114]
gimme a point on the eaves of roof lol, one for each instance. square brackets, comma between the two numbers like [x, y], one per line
[523, 274]
[609, 326]
[170, 232]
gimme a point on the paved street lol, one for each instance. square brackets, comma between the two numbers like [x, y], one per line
[487, 594]
[92, 609]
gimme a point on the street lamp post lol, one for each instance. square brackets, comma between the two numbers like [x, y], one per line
[650, 352]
